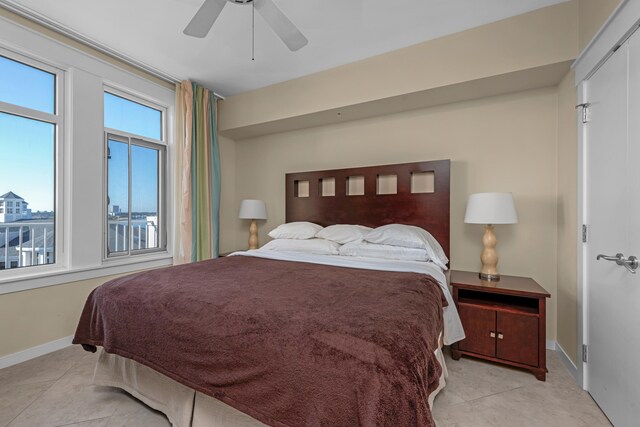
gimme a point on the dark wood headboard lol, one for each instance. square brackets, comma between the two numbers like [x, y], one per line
[428, 210]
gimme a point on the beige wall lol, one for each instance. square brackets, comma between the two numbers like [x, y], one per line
[505, 143]
[567, 304]
[592, 14]
[38, 316]
[536, 39]
[228, 209]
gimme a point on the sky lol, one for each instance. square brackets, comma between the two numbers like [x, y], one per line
[144, 173]
[122, 114]
[27, 146]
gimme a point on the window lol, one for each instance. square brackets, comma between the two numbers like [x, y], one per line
[132, 117]
[30, 123]
[59, 173]
[135, 176]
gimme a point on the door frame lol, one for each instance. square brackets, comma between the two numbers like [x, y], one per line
[623, 22]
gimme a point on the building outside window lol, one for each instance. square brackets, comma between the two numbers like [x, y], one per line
[30, 123]
[135, 169]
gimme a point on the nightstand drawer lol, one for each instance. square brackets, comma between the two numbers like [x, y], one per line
[479, 325]
[517, 338]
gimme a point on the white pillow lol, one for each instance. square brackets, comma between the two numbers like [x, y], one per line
[295, 230]
[307, 246]
[343, 233]
[373, 250]
[409, 236]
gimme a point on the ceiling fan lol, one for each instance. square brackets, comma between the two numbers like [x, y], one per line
[206, 16]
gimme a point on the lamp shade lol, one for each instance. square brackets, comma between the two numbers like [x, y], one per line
[253, 209]
[491, 208]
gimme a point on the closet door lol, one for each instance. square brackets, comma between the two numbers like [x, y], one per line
[613, 216]
[632, 288]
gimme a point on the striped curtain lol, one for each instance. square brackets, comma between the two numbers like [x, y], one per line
[197, 174]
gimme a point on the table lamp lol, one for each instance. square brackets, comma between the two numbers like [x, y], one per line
[253, 210]
[490, 209]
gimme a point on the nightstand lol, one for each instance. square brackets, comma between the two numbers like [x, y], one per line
[504, 321]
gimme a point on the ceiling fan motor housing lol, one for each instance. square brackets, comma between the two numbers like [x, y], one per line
[208, 13]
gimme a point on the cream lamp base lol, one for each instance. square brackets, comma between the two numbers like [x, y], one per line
[253, 235]
[489, 256]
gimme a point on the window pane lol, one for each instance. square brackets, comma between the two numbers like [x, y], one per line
[144, 196]
[27, 86]
[131, 117]
[118, 197]
[27, 192]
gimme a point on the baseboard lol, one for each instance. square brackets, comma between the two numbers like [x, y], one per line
[33, 352]
[551, 345]
[566, 360]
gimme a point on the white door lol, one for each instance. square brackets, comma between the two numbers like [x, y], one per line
[613, 215]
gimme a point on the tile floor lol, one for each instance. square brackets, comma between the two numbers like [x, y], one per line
[56, 390]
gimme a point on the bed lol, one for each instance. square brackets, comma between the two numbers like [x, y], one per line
[280, 338]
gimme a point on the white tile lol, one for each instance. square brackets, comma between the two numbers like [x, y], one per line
[49, 367]
[72, 399]
[15, 399]
[59, 390]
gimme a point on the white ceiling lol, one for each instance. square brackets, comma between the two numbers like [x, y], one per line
[339, 32]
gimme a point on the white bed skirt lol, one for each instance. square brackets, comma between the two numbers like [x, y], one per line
[183, 406]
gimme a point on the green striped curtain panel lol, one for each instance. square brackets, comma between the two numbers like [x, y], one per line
[198, 174]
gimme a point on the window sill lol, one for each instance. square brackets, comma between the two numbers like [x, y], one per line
[61, 276]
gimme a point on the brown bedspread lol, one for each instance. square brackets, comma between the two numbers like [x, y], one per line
[288, 343]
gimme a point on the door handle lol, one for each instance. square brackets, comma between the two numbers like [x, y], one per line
[631, 263]
[615, 258]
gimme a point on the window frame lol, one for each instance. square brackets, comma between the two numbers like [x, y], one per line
[81, 79]
[58, 120]
[133, 139]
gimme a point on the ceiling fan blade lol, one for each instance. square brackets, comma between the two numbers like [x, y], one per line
[204, 18]
[282, 26]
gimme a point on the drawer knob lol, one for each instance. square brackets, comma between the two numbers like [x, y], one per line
[500, 336]
[492, 334]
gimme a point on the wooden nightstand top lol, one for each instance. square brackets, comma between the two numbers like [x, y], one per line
[507, 285]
